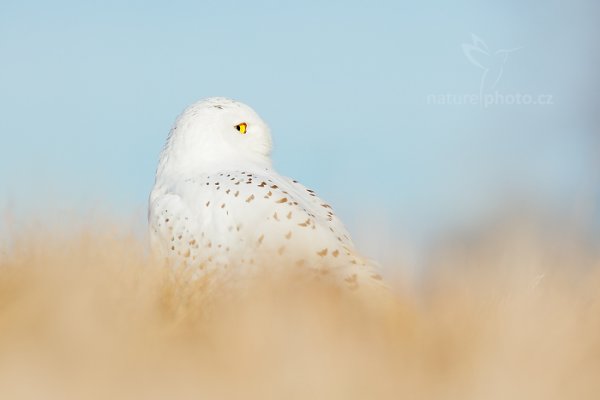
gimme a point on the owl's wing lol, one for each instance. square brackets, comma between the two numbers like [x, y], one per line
[238, 218]
[317, 207]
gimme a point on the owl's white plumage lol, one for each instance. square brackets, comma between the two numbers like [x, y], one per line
[218, 206]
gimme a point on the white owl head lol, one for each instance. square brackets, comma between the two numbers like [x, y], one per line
[216, 134]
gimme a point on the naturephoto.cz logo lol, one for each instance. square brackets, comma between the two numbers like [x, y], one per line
[491, 65]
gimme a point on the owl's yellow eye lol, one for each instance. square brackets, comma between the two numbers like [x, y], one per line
[242, 128]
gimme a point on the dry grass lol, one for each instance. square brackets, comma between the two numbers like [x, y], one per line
[86, 315]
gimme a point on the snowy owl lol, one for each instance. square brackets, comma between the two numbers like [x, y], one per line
[218, 206]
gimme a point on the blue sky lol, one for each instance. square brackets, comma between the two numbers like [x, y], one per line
[88, 92]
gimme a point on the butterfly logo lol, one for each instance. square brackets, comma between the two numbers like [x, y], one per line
[491, 62]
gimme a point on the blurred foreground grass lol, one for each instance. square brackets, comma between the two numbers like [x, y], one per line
[84, 314]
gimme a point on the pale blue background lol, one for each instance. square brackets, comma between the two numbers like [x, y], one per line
[88, 91]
